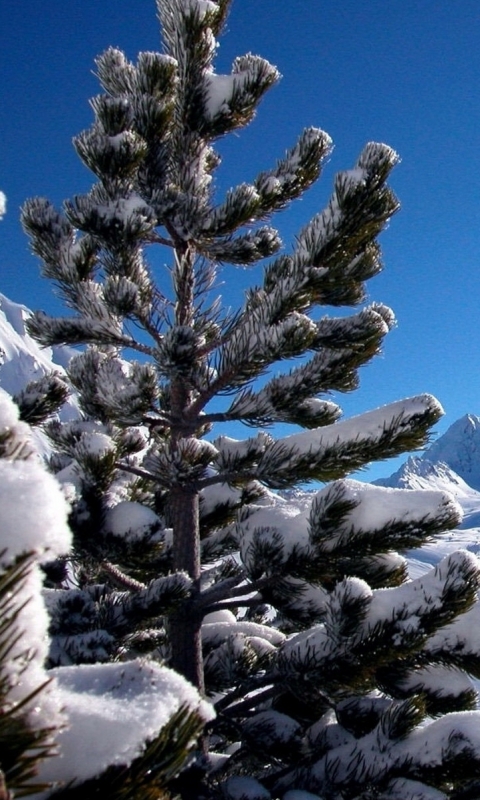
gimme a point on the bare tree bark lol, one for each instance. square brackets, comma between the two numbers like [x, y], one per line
[184, 503]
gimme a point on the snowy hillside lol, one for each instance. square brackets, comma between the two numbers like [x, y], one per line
[22, 360]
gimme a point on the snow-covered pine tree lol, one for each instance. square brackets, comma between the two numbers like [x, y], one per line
[47, 718]
[134, 725]
[326, 665]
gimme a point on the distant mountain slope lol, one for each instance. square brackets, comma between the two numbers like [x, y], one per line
[452, 461]
[418, 472]
[451, 464]
[459, 447]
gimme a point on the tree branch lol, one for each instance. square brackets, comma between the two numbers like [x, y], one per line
[122, 580]
[228, 590]
[228, 604]
[259, 697]
[141, 473]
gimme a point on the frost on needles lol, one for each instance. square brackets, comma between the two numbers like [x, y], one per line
[331, 673]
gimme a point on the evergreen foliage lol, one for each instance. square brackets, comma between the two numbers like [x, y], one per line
[44, 715]
[329, 671]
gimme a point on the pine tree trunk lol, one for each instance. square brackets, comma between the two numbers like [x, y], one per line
[184, 502]
[186, 623]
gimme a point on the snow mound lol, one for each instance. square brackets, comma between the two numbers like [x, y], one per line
[113, 710]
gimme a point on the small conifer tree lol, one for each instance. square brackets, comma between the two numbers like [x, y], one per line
[325, 665]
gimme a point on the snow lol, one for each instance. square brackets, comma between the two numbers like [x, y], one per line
[214, 633]
[407, 604]
[271, 727]
[287, 526]
[105, 712]
[281, 526]
[369, 426]
[404, 789]
[220, 494]
[322, 228]
[33, 520]
[223, 615]
[124, 208]
[221, 88]
[201, 7]
[113, 710]
[454, 458]
[95, 443]
[374, 507]
[403, 608]
[131, 520]
[419, 472]
[327, 729]
[433, 744]
[459, 447]
[352, 178]
[429, 743]
[232, 449]
[9, 414]
[125, 691]
[461, 636]
[22, 359]
[307, 598]
[243, 788]
[444, 681]
[33, 509]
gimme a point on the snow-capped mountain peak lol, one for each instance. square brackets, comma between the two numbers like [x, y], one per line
[452, 462]
[459, 447]
[423, 473]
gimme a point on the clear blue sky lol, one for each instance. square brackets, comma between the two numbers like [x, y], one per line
[398, 71]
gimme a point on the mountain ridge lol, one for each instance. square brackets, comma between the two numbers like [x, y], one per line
[453, 460]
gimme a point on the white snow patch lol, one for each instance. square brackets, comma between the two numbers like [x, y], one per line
[131, 520]
[113, 710]
[33, 512]
[375, 507]
[214, 633]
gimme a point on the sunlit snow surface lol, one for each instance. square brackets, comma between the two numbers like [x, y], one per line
[23, 360]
